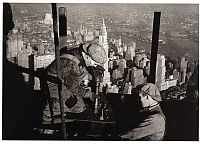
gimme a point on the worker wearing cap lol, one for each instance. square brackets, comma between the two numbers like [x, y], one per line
[151, 124]
[74, 69]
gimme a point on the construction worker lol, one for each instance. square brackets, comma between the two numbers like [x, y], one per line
[77, 64]
[151, 121]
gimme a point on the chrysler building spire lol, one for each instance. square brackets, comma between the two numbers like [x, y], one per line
[103, 23]
[104, 43]
[104, 34]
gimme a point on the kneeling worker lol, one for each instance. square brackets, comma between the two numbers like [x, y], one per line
[151, 124]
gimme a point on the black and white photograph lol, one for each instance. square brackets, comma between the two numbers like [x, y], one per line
[100, 71]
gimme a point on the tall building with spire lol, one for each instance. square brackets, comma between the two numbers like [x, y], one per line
[104, 34]
[104, 43]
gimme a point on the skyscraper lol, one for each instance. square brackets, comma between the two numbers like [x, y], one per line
[160, 73]
[42, 61]
[41, 49]
[183, 69]
[15, 44]
[89, 36]
[48, 19]
[130, 53]
[23, 60]
[119, 42]
[103, 42]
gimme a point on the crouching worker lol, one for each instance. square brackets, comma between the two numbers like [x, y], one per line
[151, 125]
[73, 69]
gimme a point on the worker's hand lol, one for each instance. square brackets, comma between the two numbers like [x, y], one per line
[89, 94]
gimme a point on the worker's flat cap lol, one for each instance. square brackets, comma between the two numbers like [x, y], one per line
[151, 90]
[96, 52]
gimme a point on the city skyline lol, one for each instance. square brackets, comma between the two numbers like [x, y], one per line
[179, 23]
[121, 54]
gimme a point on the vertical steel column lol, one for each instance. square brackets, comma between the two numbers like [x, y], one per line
[62, 35]
[62, 27]
[154, 46]
[57, 53]
[31, 66]
[62, 22]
